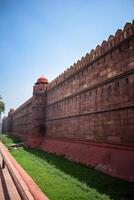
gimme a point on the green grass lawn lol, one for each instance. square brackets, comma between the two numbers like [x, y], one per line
[61, 179]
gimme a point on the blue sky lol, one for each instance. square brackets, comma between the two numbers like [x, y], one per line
[47, 36]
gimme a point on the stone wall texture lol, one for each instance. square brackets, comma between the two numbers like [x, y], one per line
[88, 109]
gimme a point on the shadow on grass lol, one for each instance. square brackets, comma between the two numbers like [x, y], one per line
[8, 139]
[117, 189]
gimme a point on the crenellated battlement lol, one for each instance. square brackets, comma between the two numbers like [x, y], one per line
[95, 54]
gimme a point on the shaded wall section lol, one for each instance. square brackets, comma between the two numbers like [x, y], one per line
[19, 121]
[22, 119]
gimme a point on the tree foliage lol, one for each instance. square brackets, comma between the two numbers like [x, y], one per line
[2, 105]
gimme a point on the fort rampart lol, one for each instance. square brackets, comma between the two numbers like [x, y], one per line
[87, 112]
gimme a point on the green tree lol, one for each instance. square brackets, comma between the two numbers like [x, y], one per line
[2, 105]
[2, 109]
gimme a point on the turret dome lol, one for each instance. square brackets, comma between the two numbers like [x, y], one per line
[42, 79]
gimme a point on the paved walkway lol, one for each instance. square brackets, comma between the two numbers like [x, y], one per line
[8, 190]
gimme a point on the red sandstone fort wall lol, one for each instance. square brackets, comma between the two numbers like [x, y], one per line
[87, 112]
[94, 99]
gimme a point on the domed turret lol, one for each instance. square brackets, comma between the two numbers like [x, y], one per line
[41, 85]
[39, 101]
[42, 79]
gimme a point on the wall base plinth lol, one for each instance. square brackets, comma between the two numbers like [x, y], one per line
[110, 159]
[34, 139]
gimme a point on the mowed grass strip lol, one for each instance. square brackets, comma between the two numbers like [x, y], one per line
[61, 179]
